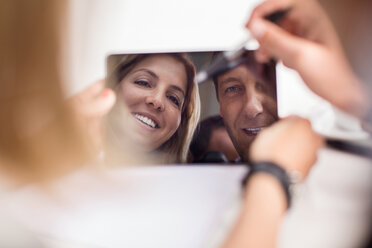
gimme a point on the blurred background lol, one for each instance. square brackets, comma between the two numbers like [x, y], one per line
[337, 193]
[100, 28]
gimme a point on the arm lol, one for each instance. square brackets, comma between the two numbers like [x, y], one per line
[263, 208]
[292, 144]
[307, 42]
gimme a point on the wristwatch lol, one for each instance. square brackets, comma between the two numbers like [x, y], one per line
[276, 171]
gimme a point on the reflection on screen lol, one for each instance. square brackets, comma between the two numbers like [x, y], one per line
[161, 94]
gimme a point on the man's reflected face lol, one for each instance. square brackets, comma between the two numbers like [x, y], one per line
[247, 104]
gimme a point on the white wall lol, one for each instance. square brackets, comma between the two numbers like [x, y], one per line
[98, 28]
[101, 27]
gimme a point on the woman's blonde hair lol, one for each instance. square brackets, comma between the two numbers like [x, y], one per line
[39, 135]
[175, 149]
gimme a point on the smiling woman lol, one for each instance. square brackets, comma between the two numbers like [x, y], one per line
[161, 95]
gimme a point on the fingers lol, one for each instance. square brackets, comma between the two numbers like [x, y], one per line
[305, 143]
[267, 8]
[278, 43]
[102, 104]
[91, 105]
[262, 56]
[319, 141]
[94, 101]
[93, 90]
[290, 143]
[275, 41]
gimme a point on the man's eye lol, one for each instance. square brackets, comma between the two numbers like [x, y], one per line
[142, 83]
[232, 89]
[261, 87]
[174, 100]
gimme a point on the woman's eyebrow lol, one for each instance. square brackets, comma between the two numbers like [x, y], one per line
[151, 73]
[174, 87]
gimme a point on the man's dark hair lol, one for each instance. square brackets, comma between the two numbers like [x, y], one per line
[202, 136]
[264, 71]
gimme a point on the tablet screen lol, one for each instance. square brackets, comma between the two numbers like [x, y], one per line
[161, 94]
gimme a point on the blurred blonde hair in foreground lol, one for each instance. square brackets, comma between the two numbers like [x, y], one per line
[39, 134]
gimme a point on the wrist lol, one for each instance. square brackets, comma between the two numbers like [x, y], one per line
[264, 188]
[273, 170]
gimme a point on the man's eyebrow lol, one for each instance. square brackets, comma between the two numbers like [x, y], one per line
[148, 72]
[230, 79]
[174, 87]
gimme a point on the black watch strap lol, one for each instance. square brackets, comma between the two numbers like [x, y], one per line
[275, 170]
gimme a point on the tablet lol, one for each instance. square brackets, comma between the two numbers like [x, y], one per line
[241, 100]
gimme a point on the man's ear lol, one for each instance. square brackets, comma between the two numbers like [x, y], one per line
[221, 112]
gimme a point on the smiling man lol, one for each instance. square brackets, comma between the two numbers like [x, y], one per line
[247, 98]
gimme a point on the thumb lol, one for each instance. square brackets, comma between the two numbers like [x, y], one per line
[102, 104]
[277, 42]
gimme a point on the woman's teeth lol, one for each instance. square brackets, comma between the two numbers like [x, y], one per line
[146, 120]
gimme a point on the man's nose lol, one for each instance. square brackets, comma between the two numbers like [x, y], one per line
[253, 106]
[155, 101]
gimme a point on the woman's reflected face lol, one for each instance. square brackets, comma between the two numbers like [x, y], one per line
[154, 91]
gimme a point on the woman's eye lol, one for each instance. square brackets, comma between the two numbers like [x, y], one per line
[142, 83]
[174, 100]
